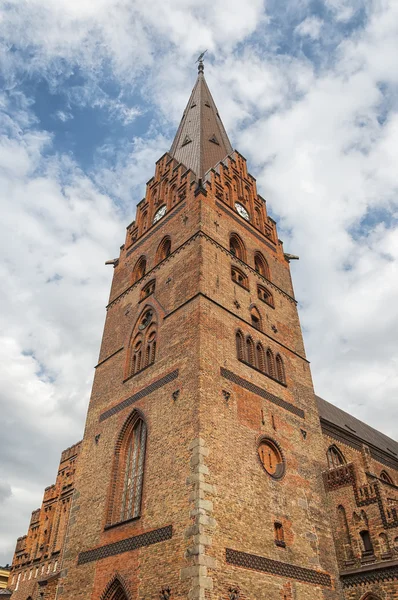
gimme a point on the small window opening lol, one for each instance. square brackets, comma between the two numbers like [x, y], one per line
[265, 295]
[148, 290]
[238, 277]
[279, 534]
[366, 542]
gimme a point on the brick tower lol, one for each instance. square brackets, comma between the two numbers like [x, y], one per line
[200, 469]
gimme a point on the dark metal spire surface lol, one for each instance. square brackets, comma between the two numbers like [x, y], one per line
[201, 140]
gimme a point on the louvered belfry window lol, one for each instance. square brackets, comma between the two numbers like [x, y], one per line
[133, 473]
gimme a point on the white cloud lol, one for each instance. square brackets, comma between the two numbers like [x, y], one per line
[310, 27]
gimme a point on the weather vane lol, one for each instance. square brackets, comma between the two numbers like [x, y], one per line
[200, 61]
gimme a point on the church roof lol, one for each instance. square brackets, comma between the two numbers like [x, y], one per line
[201, 140]
[356, 428]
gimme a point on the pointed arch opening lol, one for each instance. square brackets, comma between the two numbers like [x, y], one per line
[255, 317]
[237, 247]
[386, 477]
[280, 369]
[128, 471]
[164, 249]
[250, 357]
[270, 363]
[265, 295]
[260, 356]
[261, 265]
[139, 269]
[240, 351]
[115, 590]
[335, 457]
[344, 538]
[239, 277]
[142, 347]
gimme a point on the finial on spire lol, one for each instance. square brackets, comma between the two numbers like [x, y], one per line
[201, 66]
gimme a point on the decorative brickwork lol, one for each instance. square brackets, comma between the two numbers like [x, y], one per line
[247, 385]
[376, 575]
[141, 394]
[127, 545]
[275, 567]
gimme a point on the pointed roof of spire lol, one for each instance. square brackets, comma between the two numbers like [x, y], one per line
[201, 140]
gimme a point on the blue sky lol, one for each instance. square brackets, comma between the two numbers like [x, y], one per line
[91, 96]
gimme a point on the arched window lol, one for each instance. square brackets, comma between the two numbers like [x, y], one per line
[366, 542]
[128, 471]
[370, 596]
[260, 357]
[384, 545]
[239, 277]
[237, 247]
[240, 346]
[344, 533]
[255, 318]
[250, 351]
[164, 249]
[148, 289]
[139, 269]
[280, 369]
[270, 363]
[335, 457]
[115, 590]
[265, 295]
[261, 265]
[142, 348]
[386, 477]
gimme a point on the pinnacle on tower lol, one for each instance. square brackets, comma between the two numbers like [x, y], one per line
[201, 140]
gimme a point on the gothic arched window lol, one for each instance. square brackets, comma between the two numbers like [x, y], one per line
[128, 471]
[139, 269]
[255, 318]
[270, 363]
[239, 277]
[261, 265]
[142, 347]
[335, 457]
[115, 590]
[265, 295]
[237, 247]
[164, 249]
[250, 351]
[280, 369]
[260, 357]
[240, 352]
[386, 477]
[344, 533]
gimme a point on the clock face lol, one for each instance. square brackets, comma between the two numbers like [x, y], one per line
[160, 213]
[242, 211]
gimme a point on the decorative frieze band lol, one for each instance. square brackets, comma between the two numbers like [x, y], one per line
[132, 543]
[375, 575]
[275, 567]
[247, 385]
[141, 394]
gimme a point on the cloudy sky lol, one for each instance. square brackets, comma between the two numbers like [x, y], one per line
[90, 96]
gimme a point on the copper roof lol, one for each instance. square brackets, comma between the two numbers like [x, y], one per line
[201, 140]
[356, 428]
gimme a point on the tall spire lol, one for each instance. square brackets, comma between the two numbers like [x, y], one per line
[201, 140]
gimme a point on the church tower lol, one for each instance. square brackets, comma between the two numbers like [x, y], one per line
[199, 473]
